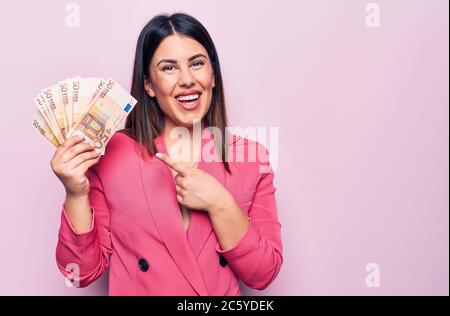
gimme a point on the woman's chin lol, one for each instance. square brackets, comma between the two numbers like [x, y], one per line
[189, 120]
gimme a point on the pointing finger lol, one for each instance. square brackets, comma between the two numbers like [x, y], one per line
[174, 165]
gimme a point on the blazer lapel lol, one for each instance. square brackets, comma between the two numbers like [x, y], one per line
[162, 204]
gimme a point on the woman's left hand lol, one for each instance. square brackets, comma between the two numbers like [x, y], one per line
[197, 189]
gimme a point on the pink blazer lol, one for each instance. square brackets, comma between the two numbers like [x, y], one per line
[138, 232]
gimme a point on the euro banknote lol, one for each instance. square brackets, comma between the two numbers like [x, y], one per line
[92, 108]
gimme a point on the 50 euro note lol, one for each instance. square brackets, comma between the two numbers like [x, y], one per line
[82, 92]
[63, 89]
[45, 113]
[104, 115]
[40, 124]
[55, 108]
[73, 95]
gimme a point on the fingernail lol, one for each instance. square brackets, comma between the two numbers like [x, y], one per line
[159, 155]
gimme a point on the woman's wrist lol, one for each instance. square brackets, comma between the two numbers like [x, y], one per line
[76, 197]
[222, 204]
[79, 211]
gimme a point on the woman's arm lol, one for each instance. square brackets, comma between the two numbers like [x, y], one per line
[228, 221]
[84, 242]
[251, 244]
[79, 212]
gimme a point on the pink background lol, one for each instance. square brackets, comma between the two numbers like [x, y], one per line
[363, 131]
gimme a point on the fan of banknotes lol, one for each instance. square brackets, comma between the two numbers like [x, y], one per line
[92, 108]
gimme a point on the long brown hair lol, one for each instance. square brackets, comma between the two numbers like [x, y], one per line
[146, 120]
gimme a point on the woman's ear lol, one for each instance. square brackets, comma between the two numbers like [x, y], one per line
[149, 88]
[213, 80]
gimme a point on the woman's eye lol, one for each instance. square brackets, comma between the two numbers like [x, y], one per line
[198, 63]
[168, 67]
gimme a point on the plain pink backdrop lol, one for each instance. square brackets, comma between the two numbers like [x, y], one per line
[363, 131]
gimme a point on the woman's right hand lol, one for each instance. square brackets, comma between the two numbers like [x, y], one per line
[70, 162]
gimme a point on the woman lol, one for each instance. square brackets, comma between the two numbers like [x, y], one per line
[165, 225]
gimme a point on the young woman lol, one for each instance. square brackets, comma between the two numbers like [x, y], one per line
[165, 225]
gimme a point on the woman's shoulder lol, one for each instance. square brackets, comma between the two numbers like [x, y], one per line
[247, 154]
[238, 144]
[120, 148]
[119, 142]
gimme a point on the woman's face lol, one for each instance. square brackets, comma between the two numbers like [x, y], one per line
[181, 67]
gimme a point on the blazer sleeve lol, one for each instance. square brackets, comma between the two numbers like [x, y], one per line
[83, 257]
[257, 258]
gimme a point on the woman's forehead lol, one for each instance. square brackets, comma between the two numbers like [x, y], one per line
[178, 48]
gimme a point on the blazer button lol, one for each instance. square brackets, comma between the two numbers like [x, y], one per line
[143, 265]
[223, 262]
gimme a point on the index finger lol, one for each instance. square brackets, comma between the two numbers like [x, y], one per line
[69, 142]
[168, 161]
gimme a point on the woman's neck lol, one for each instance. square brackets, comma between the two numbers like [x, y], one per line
[183, 144]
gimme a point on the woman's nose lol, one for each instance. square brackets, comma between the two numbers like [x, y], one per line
[186, 78]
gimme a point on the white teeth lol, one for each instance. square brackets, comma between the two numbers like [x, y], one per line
[188, 97]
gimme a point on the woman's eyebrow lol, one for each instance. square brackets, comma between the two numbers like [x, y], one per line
[173, 61]
[196, 56]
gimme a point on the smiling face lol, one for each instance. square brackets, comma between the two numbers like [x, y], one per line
[182, 79]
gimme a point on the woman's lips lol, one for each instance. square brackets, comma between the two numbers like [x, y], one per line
[189, 106]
